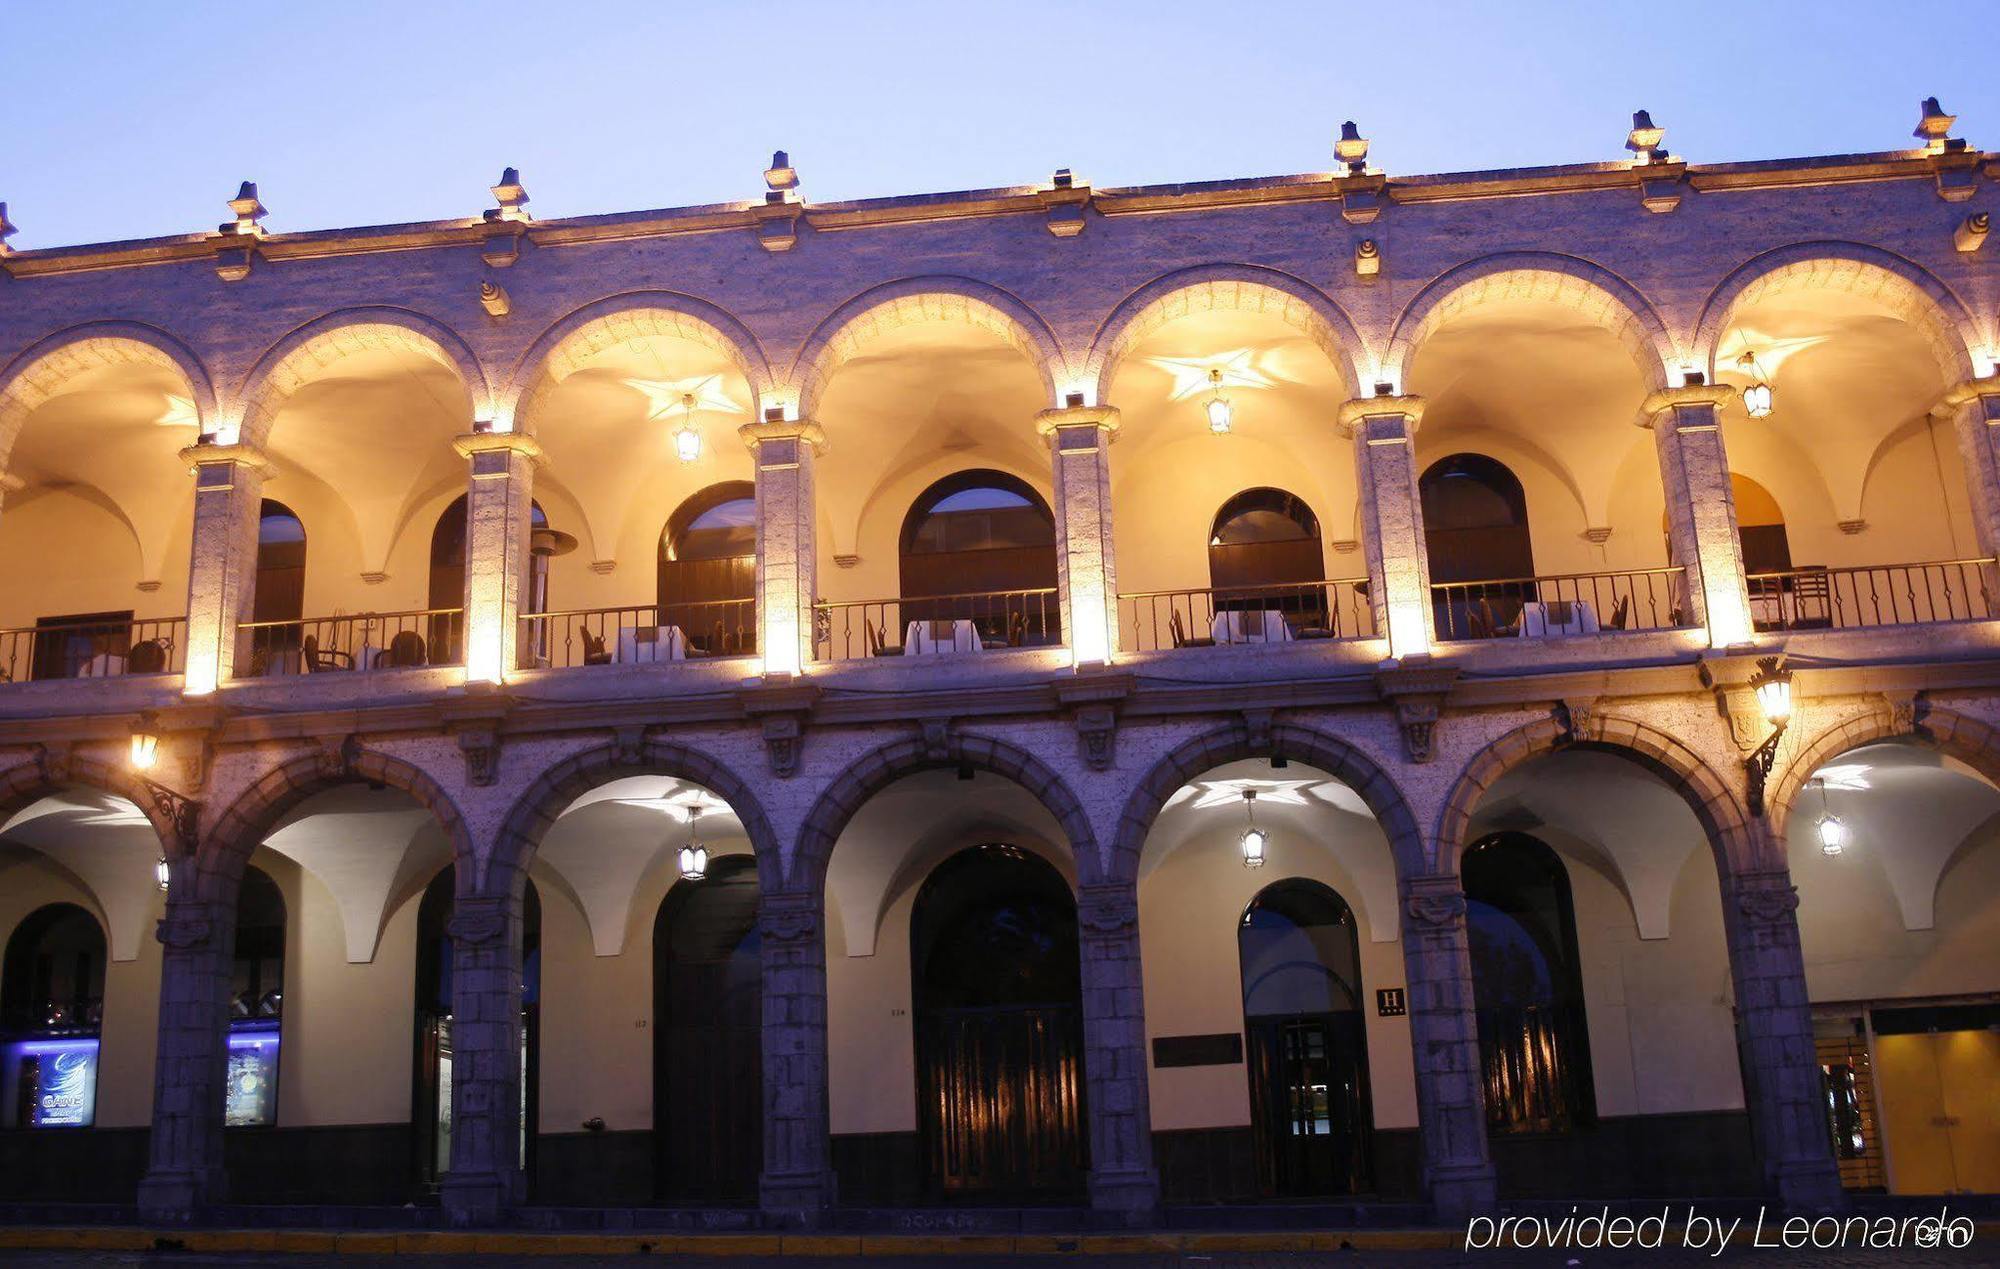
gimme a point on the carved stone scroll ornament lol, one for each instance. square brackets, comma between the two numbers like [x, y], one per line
[184, 931]
[481, 747]
[788, 924]
[628, 742]
[475, 924]
[1108, 915]
[336, 756]
[1435, 911]
[937, 739]
[784, 740]
[1768, 904]
[1417, 718]
[1097, 736]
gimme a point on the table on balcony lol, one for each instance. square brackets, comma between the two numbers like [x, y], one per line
[1557, 618]
[104, 665]
[922, 638]
[650, 645]
[1262, 625]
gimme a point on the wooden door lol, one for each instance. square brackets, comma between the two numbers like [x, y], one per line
[1309, 1108]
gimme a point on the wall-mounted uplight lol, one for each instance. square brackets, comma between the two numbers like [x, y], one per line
[1220, 412]
[1254, 839]
[1757, 397]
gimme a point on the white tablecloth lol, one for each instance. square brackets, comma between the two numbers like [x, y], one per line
[918, 640]
[102, 666]
[1265, 625]
[667, 644]
[1535, 622]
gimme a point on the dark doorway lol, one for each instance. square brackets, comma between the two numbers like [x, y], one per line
[256, 1003]
[708, 569]
[51, 1010]
[447, 580]
[1534, 1050]
[997, 991]
[708, 1082]
[1308, 1053]
[281, 565]
[1476, 530]
[431, 1097]
[1264, 552]
[989, 540]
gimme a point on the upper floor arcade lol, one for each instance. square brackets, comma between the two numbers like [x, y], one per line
[1609, 414]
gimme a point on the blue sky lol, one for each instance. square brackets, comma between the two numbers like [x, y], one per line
[135, 119]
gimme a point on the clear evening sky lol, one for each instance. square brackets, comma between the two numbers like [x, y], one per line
[134, 119]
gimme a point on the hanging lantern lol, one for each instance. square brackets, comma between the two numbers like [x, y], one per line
[687, 441]
[1758, 396]
[161, 873]
[694, 855]
[1254, 839]
[1219, 411]
[1832, 831]
[145, 744]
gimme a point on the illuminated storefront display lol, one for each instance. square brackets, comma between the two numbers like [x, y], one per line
[251, 1099]
[52, 1083]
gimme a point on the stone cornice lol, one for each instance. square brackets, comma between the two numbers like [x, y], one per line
[1690, 394]
[1357, 411]
[1017, 200]
[1103, 417]
[487, 442]
[754, 434]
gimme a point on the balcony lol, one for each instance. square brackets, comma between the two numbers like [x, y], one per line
[1562, 604]
[1872, 595]
[648, 634]
[1288, 612]
[60, 649]
[937, 625]
[356, 642]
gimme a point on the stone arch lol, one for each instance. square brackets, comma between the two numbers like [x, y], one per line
[241, 826]
[1906, 288]
[289, 363]
[879, 768]
[25, 783]
[1354, 768]
[913, 301]
[1738, 847]
[561, 349]
[1231, 288]
[1975, 743]
[544, 801]
[39, 372]
[1594, 292]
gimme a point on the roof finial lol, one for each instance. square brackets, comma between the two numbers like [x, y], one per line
[1644, 138]
[7, 230]
[1352, 149]
[248, 213]
[512, 197]
[781, 179]
[1934, 129]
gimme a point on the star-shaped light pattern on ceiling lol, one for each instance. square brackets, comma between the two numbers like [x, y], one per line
[1192, 374]
[664, 397]
[1771, 352]
[1203, 794]
[179, 412]
[678, 801]
[1851, 775]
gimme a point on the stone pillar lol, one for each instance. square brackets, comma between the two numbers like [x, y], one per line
[798, 1182]
[1079, 440]
[787, 544]
[184, 1168]
[485, 1177]
[1701, 508]
[222, 560]
[1384, 431]
[499, 511]
[1781, 1075]
[1974, 410]
[1122, 1176]
[1444, 1041]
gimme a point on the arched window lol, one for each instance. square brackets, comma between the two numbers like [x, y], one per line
[51, 1008]
[431, 1099]
[1760, 526]
[1476, 530]
[982, 533]
[256, 1001]
[1308, 1057]
[447, 580]
[1264, 552]
[1534, 1050]
[281, 565]
[708, 1107]
[997, 987]
[708, 569]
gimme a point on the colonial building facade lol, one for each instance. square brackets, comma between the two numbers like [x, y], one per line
[1445, 689]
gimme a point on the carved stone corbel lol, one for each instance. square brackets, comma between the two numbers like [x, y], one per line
[478, 922]
[784, 743]
[1107, 911]
[787, 919]
[184, 931]
[1257, 730]
[1093, 699]
[54, 759]
[1902, 712]
[337, 755]
[782, 709]
[1417, 693]
[937, 738]
[480, 745]
[1578, 717]
[628, 742]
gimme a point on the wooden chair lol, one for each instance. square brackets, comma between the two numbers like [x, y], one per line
[1480, 620]
[313, 661]
[594, 651]
[1812, 599]
[1179, 633]
[877, 647]
[1017, 629]
[407, 650]
[1620, 613]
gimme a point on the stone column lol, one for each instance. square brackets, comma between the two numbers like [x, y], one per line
[1444, 1041]
[1122, 1176]
[787, 544]
[222, 560]
[1701, 508]
[485, 1177]
[1079, 440]
[1781, 1075]
[1974, 410]
[499, 511]
[798, 1182]
[184, 1168]
[1384, 431]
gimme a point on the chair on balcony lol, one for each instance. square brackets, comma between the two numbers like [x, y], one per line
[1017, 629]
[147, 657]
[314, 661]
[407, 650]
[1179, 632]
[594, 652]
[1620, 613]
[1812, 599]
[877, 648]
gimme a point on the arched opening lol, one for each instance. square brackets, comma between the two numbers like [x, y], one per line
[1307, 1053]
[279, 601]
[447, 586]
[708, 570]
[1476, 530]
[708, 1105]
[979, 556]
[1534, 1048]
[996, 988]
[1264, 557]
[432, 1069]
[256, 1003]
[51, 1012]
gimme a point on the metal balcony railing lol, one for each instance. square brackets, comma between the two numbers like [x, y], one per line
[357, 641]
[1872, 595]
[93, 649]
[1565, 604]
[1281, 613]
[642, 635]
[974, 621]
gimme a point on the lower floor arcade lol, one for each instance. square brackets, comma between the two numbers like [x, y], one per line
[929, 972]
